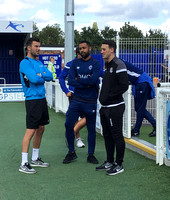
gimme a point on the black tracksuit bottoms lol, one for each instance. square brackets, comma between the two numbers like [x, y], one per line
[112, 122]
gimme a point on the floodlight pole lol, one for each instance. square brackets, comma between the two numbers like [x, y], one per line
[69, 31]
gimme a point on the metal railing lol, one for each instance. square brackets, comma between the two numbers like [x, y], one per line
[3, 80]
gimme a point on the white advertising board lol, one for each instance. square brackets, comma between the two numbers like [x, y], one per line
[11, 93]
[16, 26]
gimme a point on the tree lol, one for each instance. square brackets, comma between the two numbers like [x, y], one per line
[52, 35]
[156, 33]
[128, 31]
[95, 27]
[36, 31]
[108, 33]
[92, 35]
[77, 38]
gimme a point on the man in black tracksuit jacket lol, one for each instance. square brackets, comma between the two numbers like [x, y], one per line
[115, 83]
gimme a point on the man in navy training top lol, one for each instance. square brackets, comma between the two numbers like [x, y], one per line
[33, 75]
[143, 90]
[84, 77]
[69, 92]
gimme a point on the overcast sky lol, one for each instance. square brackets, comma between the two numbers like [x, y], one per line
[144, 14]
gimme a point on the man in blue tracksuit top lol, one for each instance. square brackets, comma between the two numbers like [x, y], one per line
[33, 75]
[67, 90]
[84, 77]
[142, 89]
[69, 93]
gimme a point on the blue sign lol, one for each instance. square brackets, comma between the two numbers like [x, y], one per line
[15, 26]
[168, 129]
[44, 58]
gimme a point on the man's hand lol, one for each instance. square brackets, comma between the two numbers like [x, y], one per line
[69, 94]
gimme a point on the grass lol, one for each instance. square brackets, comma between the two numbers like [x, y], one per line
[144, 131]
[142, 178]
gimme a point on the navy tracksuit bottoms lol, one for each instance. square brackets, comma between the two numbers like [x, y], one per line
[76, 109]
[142, 94]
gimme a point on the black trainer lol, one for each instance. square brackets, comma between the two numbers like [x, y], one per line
[153, 133]
[69, 157]
[115, 170]
[134, 133]
[92, 159]
[105, 166]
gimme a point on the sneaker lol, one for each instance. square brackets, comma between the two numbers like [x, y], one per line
[26, 168]
[80, 144]
[153, 133]
[134, 133]
[115, 170]
[105, 166]
[39, 163]
[92, 159]
[69, 157]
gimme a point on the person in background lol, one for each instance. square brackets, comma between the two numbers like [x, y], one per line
[166, 69]
[51, 67]
[33, 75]
[115, 83]
[69, 92]
[84, 77]
[142, 90]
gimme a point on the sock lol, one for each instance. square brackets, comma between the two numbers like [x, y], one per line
[24, 158]
[78, 139]
[35, 154]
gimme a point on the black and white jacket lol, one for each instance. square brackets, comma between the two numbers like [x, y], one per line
[115, 83]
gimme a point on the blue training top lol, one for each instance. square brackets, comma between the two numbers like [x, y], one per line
[32, 83]
[137, 75]
[62, 78]
[84, 77]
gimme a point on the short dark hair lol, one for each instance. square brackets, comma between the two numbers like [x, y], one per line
[77, 50]
[111, 43]
[30, 40]
[85, 41]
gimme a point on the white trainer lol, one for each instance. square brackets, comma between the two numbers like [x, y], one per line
[80, 144]
[38, 163]
[26, 168]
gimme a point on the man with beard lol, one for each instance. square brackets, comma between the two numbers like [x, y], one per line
[84, 77]
[33, 76]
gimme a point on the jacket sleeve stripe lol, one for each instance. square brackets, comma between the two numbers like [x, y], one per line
[121, 70]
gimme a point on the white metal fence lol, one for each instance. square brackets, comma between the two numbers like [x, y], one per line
[57, 99]
[147, 54]
[163, 95]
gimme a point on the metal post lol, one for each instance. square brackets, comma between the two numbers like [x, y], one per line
[117, 44]
[69, 31]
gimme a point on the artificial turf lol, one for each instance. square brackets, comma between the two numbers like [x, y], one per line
[142, 178]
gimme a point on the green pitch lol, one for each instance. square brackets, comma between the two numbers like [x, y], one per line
[142, 178]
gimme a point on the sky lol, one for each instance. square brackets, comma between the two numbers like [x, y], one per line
[144, 14]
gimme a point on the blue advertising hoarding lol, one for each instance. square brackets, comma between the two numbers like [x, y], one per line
[44, 58]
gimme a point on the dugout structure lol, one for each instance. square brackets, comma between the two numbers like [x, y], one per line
[13, 35]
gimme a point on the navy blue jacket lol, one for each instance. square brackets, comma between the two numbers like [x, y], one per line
[84, 77]
[62, 78]
[136, 76]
